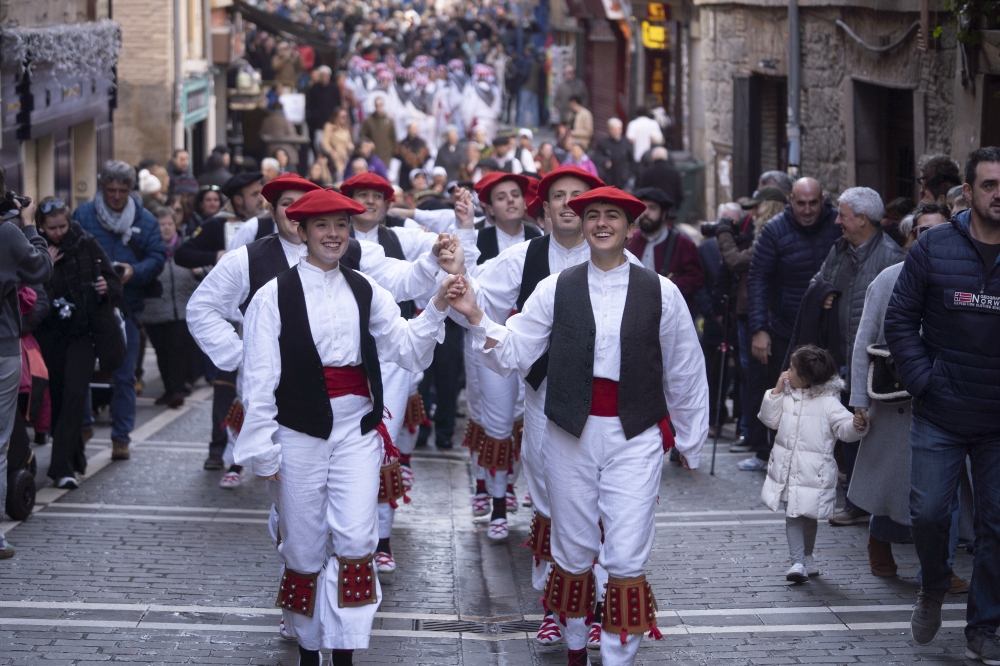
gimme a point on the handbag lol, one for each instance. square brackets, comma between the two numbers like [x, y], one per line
[107, 328]
[884, 383]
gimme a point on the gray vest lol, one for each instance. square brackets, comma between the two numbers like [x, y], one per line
[641, 403]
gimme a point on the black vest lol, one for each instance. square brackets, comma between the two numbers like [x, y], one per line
[301, 396]
[536, 269]
[265, 227]
[489, 246]
[641, 403]
[389, 241]
[266, 261]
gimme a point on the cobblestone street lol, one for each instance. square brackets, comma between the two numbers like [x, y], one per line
[151, 562]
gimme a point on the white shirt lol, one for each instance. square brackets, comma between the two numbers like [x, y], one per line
[648, 259]
[643, 132]
[217, 299]
[334, 322]
[246, 234]
[685, 386]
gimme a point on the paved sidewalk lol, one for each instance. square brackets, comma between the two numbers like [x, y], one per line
[150, 562]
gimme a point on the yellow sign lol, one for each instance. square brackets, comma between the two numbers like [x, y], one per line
[655, 37]
[657, 11]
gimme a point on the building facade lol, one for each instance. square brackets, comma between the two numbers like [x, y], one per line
[57, 95]
[166, 81]
[875, 93]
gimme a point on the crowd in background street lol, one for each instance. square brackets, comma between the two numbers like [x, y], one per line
[433, 103]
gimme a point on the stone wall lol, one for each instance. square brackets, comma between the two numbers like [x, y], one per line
[736, 39]
[144, 118]
[41, 13]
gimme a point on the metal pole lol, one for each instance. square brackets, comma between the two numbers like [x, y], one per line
[794, 85]
[724, 350]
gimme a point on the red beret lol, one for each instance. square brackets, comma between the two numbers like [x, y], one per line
[534, 204]
[286, 181]
[610, 195]
[367, 181]
[491, 180]
[322, 202]
[576, 172]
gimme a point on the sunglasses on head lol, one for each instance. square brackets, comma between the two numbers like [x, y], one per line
[49, 206]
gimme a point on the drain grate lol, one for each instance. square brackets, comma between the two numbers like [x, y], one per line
[449, 625]
[458, 626]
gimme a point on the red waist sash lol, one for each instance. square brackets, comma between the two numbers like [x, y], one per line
[604, 402]
[352, 380]
[348, 380]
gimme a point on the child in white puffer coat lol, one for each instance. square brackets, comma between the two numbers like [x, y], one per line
[805, 409]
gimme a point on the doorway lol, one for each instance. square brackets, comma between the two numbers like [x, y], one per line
[760, 140]
[883, 140]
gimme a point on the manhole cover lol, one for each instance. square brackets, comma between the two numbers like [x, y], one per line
[449, 625]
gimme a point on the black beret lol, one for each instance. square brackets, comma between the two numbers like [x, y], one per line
[656, 195]
[239, 181]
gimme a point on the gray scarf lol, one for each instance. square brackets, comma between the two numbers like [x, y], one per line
[120, 224]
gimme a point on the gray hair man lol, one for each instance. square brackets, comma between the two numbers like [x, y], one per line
[130, 235]
[854, 261]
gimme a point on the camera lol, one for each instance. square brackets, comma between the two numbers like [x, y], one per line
[9, 205]
[64, 308]
[711, 229]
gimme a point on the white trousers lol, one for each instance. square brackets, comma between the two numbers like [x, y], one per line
[498, 402]
[327, 502]
[398, 384]
[602, 474]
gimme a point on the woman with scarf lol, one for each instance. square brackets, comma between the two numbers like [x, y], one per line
[164, 317]
[83, 281]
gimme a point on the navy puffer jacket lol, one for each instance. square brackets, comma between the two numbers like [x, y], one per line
[785, 258]
[952, 364]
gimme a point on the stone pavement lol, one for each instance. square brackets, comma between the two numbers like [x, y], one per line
[150, 562]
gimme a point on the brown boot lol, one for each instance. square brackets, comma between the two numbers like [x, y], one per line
[958, 585]
[880, 557]
[119, 450]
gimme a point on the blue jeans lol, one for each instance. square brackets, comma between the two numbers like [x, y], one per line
[938, 460]
[123, 395]
[743, 342]
[527, 108]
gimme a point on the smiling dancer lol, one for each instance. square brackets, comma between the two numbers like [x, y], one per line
[504, 284]
[492, 399]
[602, 321]
[314, 336]
[400, 385]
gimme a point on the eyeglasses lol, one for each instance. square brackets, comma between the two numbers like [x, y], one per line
[917, 230]
[49, 206]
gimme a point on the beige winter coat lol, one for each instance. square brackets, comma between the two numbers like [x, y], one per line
[802, 471]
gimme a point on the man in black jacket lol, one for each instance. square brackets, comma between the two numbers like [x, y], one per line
[322, 99]
[942, 326]
[23, 258]
[614, 156]
[790, 249]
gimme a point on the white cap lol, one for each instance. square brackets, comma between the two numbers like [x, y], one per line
[148, 183]
[524, 131]
[439, 171]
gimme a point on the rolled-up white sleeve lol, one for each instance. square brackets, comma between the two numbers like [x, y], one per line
[525, 337]
[404, 280]
[685, 384]
[214, 304]
[261, 373]
[439, 221]
[408, 343]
